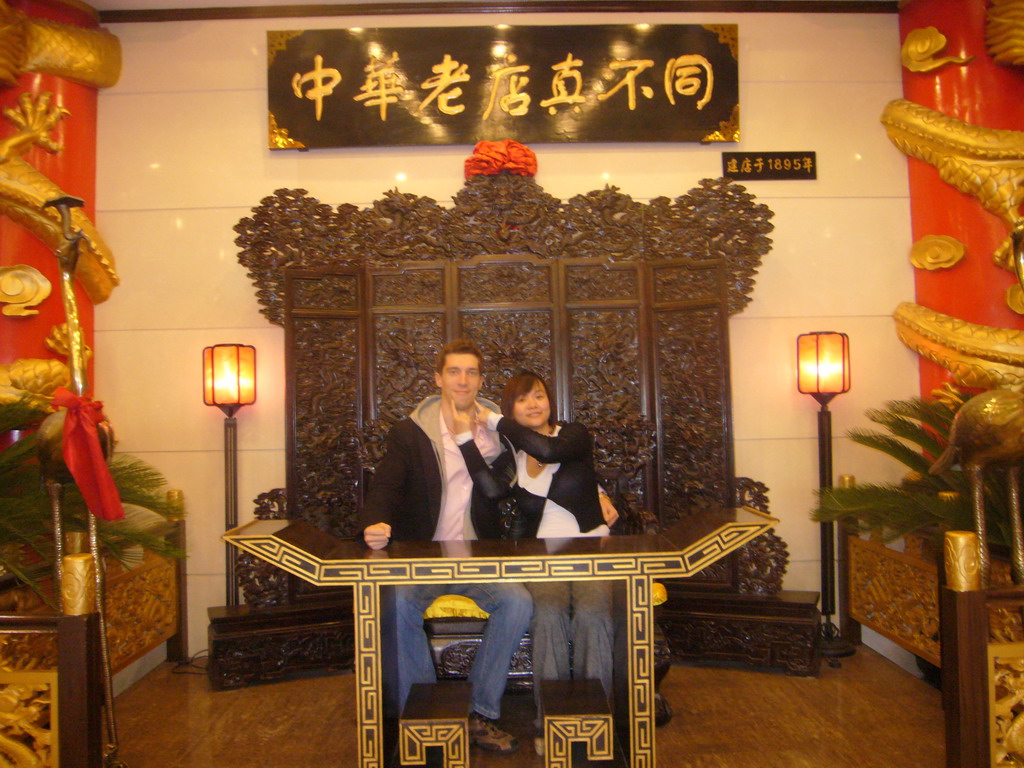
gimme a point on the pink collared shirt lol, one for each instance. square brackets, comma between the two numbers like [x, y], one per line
[453, 523]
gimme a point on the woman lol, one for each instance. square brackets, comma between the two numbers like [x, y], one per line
[557, 494]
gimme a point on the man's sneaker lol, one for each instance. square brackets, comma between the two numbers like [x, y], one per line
[486, 735]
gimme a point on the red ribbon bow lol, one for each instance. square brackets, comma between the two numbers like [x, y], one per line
[84, 457]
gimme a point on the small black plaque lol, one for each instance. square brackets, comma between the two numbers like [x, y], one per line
[769, 166]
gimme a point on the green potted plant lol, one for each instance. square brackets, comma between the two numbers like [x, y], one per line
[26, 540]
[913, 432]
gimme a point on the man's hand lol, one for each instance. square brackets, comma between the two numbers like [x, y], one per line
[608, 510]
[377, 535]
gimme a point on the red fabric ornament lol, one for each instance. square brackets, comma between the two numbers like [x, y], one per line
[84, 457]
[490, 158]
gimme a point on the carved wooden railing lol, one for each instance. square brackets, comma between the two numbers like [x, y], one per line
[983, 677]
[896, 592]
[57, 717]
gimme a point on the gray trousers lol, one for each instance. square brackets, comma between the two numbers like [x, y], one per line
[576, 611]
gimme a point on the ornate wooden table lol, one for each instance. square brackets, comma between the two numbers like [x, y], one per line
[682, 550]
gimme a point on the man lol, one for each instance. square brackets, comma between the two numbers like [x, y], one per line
[423, 491]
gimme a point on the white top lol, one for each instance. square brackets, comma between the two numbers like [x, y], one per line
[556, 522]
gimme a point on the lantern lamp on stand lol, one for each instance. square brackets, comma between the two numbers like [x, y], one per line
[823, 371]
[229, 382]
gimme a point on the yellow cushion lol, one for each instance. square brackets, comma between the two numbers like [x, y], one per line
[451, 606]
[658, 593]
[459, 606]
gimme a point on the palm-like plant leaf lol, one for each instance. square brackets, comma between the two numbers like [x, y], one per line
[915, 430]
[26, 529]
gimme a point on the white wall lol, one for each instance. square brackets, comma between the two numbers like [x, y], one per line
[182, 158]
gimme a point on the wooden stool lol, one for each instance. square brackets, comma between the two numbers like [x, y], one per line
[436, 715]
[575, 711]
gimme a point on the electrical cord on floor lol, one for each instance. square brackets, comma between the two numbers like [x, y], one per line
[190, 665]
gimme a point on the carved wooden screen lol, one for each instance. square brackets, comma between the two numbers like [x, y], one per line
[623, 306]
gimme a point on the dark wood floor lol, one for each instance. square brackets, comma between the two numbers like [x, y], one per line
[868, 714]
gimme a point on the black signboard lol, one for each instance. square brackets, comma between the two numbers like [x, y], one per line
[460, 85]
[745, 166]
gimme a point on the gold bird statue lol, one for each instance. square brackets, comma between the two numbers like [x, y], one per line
[989, 429]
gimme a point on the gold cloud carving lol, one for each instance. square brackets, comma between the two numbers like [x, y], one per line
[977, 356]
[22, 287]
[936, 252]
[920, 47]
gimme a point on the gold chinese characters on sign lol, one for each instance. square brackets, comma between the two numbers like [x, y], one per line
[533, 84]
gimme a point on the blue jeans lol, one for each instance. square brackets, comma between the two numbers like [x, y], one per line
[510, 607]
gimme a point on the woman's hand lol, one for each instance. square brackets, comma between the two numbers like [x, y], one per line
[482, 414]
[608, 510]
[462, 421]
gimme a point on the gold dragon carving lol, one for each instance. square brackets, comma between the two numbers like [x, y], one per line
[23, 190]
[1006, 710]
[87, 56]
[26, 739]
[1004, 31]
[988, 165]
[895, 594]
[977, 356]
[985, 163]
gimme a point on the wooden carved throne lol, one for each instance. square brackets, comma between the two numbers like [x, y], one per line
[623, 306]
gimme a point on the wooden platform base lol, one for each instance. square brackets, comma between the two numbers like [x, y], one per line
[250, 645]
[436, 715]
[575, 712]
[779, 632]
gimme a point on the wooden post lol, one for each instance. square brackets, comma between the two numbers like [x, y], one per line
[79, 692]
[964, 621]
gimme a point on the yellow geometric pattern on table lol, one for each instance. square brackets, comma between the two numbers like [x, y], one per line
[560, 732]
[634, 560]
[414, 738]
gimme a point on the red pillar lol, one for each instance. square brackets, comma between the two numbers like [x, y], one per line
[985, 94]
[73, 170]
